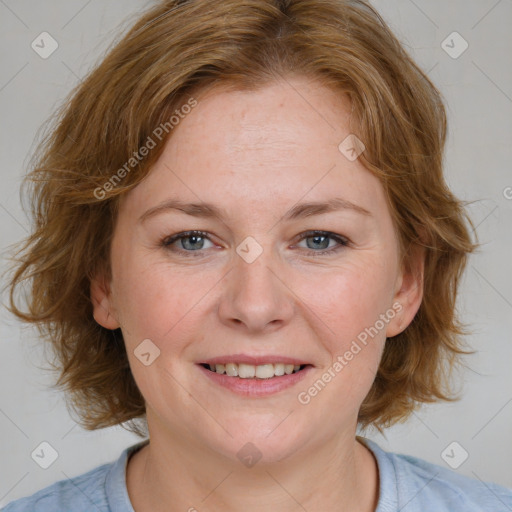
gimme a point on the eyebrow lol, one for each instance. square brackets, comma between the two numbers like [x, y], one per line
[299, 211]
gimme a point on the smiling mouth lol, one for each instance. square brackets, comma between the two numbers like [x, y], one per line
[249, 371]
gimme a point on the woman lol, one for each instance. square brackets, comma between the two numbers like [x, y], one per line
[244, 243]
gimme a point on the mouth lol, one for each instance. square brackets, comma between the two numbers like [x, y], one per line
[255, 380]
[255, 376]
[251, 371]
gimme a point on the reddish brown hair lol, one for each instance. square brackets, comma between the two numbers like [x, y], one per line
[175, 50]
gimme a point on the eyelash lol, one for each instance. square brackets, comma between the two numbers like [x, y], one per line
[168, 241]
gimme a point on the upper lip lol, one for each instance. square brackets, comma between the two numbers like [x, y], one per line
[254, 360]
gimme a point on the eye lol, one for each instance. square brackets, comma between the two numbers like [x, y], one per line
[191, 242]
[320, 240]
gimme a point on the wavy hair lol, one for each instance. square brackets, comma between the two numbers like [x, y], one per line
[179, 48]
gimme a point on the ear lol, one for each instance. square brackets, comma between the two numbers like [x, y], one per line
[101, 297]
[408, 290]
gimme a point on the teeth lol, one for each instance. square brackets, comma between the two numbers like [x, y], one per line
[250, 371]
[279, 369]
[246, 371]
[265, 371]
[232, 370]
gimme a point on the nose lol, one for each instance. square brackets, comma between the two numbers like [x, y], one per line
[256, 297]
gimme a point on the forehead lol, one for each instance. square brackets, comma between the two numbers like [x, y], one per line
[281, 114]
[278, 142]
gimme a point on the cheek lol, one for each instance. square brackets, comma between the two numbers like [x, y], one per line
[348, 304]
[150, 300]
[156, 304]
[350, 298]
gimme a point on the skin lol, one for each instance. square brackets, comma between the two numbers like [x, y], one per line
[256, 154]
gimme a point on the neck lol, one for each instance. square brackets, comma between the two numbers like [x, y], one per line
[173, 471]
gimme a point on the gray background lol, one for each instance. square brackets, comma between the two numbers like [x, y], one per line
[478, 89]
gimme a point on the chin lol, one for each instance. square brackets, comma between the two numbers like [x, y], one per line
[268, 438]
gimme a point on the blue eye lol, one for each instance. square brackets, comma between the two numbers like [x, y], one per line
[196, 243]
[320, 238]
[193, 241]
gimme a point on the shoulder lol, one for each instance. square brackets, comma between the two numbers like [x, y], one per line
[80, 494]
[425, 483]
[411, 482]
[103, 489]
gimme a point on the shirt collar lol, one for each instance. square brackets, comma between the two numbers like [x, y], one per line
[119, 501]
[115, 483]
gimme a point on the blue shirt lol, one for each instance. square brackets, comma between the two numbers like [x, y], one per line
[406, 484]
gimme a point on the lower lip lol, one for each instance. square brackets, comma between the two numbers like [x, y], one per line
[256, 387]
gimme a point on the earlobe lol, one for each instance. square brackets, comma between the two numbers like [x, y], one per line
[409, 292]
[103, 310]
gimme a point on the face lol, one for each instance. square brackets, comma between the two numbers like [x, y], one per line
[255, 283]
